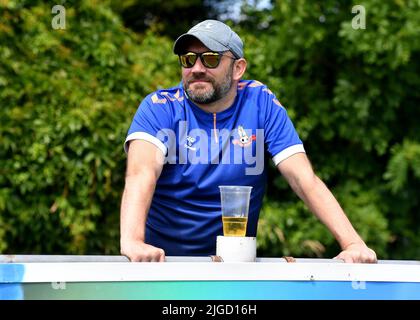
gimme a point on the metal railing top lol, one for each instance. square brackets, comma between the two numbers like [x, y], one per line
[115, 258]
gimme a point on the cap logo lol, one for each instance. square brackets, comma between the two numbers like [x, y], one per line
[208, 25]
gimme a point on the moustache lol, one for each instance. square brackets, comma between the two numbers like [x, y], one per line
[189, 81]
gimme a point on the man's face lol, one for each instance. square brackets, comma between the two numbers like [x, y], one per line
[205, 85]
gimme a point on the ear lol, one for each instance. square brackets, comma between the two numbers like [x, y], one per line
[239, 69]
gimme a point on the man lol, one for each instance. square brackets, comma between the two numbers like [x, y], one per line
[186, 141]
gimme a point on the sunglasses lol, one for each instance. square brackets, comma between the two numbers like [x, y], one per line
[209, 59]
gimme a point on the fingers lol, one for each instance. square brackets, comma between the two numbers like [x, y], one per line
[162, 257]
[365, 257]
[369, 257]
[158, 255]
[354, 256]
[345, 258]
[152, 255]
[144, 253]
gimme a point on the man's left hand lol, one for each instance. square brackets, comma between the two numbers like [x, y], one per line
[357, 253]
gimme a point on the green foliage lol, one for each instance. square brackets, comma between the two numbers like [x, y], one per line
[171, 18]
[404, 162]
[353, 96]
[402, 200]
[67, 99]
[289, 229]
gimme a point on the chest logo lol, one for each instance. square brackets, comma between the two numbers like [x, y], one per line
[244, 140]
[189, 143]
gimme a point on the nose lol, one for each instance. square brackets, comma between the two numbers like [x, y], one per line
[198, 67]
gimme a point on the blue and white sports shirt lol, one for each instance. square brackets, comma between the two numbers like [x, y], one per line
[204, 151]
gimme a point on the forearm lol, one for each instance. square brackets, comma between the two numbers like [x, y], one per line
[319, 199]
[323, 204]
[135, 204]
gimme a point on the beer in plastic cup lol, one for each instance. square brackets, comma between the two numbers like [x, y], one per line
[235, 207]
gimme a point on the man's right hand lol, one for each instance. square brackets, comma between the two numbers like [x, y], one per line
[144, 165]
[138, 251]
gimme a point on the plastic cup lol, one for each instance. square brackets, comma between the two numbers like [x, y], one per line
[235, 207]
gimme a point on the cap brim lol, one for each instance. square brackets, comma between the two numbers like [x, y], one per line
[213, 45]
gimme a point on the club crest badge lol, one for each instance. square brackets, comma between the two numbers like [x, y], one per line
[244, 140]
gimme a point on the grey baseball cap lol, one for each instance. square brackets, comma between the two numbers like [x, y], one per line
[215, 35]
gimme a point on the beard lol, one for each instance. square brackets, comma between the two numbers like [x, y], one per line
[217, 91]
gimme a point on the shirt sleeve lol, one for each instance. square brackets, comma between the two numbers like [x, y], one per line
[151, 121]
[281, 138]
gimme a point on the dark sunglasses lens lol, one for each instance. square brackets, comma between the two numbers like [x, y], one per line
[188, 60]
[210, 59]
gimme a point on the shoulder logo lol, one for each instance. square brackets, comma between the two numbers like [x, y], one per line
[255, 84]
[155, 99]
[167, 96]
[244, 140]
